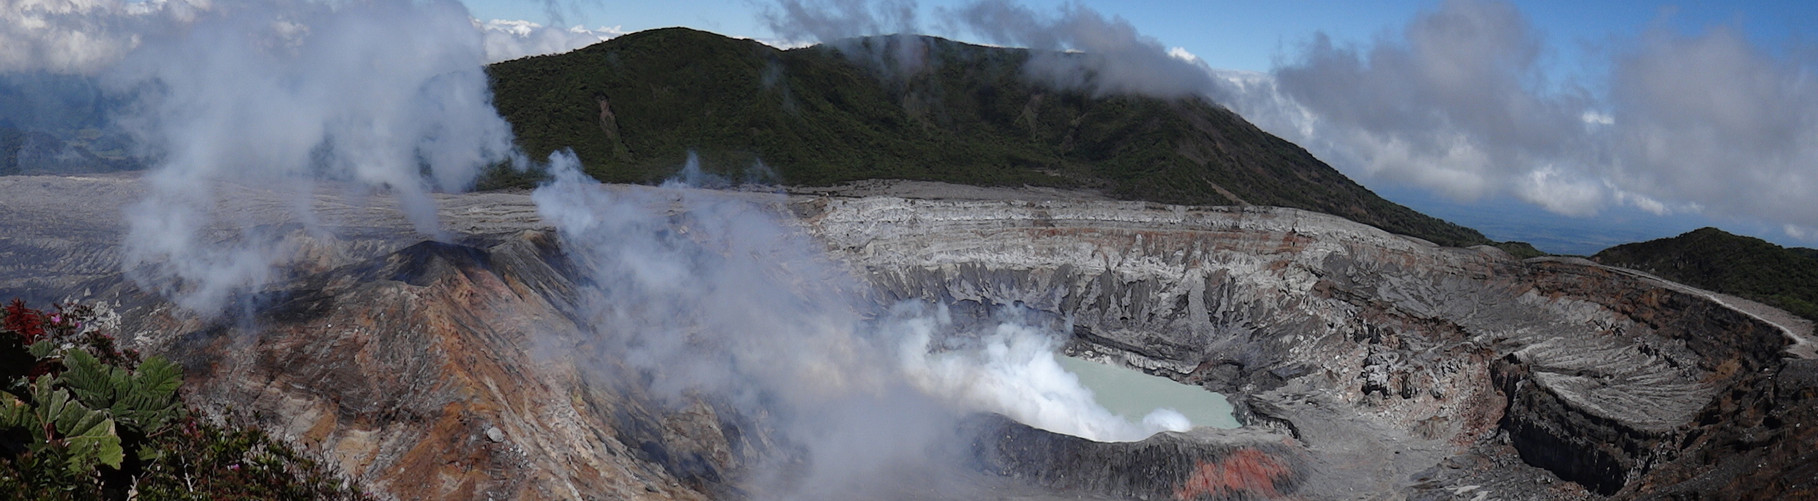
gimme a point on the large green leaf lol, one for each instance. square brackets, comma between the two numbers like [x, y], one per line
[150, 400]
[14, 413]
[95, 384]
[43, 349]
[89, 443]
[143, 402]
[46, 406]
[87, 435]
[159, 376]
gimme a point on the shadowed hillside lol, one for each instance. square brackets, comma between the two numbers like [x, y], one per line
[1732, 264]
[918, 108]
[61, 124]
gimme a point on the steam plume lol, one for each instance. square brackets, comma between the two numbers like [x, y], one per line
[387, 95]
[713, 293]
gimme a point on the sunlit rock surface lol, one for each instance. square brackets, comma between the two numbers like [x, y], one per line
[1362, 363]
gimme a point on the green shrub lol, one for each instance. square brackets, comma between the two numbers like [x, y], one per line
[1732, 264]
[81, 419]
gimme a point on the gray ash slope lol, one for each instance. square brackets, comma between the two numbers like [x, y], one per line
[1362, 363]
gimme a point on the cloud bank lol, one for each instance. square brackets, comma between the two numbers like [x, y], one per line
[82, 36]
[507, 39]
[1460, 102]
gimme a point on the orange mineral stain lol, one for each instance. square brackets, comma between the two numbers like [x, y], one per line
[1247, 470]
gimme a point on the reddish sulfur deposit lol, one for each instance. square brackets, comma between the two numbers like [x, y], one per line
[1247, 470]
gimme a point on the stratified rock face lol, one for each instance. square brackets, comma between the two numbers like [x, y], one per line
[1360, 362]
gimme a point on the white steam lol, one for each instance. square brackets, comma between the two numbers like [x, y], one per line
[712, 292]
[1012, 371]
[385, 95]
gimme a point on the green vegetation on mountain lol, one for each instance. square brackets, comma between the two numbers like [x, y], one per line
[1732, 264]
[1521, 250]
[917, 108]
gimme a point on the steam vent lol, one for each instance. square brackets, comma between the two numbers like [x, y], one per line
[885, 343]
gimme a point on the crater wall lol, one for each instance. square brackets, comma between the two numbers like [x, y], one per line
[1356, 343]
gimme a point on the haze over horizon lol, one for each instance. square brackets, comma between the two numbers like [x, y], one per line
[1570, 126]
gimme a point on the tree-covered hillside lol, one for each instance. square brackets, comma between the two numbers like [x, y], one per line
[918, 108]
[1732, 264]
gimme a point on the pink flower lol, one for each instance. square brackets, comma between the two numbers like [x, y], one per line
[56, 318]
[234, 467]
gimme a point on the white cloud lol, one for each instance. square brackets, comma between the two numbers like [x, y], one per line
[512, 39]
[1596, 118]
[87, 36]
[1457, 103]
[1645, 203]
[1800, 232]
[81, 36]
[1181, 53]
[1561, 192]
[1715, 120]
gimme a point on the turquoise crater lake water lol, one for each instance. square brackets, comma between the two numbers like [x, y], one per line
[1132, 394]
